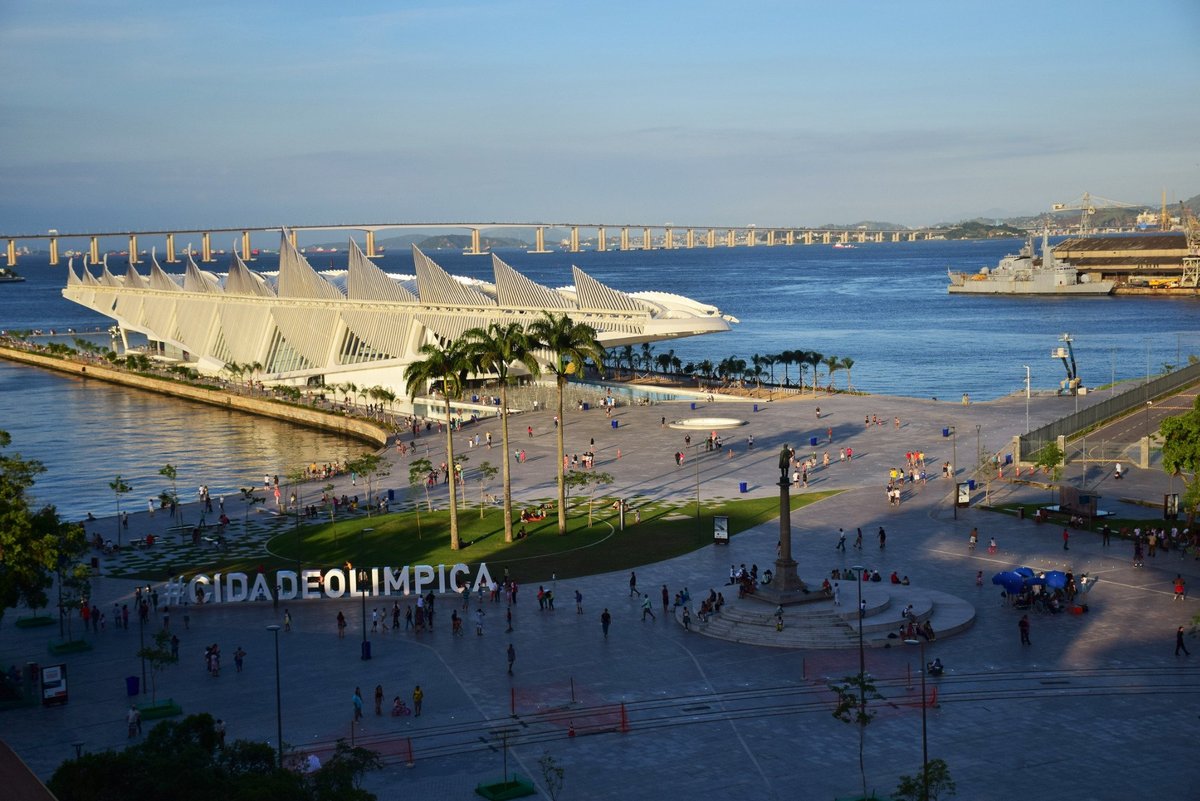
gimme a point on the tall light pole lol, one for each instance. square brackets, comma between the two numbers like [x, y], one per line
[1027, 399]
[924, 736]
[274, 629]
[862, 656]
[363, 577]
[954, 471]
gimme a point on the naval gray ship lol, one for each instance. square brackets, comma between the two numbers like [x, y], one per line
[1025, 274]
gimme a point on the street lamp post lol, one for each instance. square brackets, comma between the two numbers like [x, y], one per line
[363, 577]
[274, 629]
[1027, 399]
[954, 470]
[924, 736]
[142, 639]
[862, 655]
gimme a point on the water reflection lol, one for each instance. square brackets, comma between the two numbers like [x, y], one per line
[86, 432]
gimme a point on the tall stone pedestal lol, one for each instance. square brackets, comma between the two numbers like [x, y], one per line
[786, 586]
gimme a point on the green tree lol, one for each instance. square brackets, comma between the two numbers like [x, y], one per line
[158, 655]
[589, 480]
[937, 775]
[171, 474]
[495, 351]
[552, 775]
[1049, 460]
[33, 545]
[570, 345]
[370, 466]
[847, 363]
[448, 365]
[853, 696]
[340, 778]
[119, 488]
[486, 473]
[814, 360]
[1181, 455]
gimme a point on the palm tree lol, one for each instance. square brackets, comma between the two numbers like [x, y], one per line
[647, 357]
[449, 365]
[815, 359]
[570, 345]
[628, 357]
[847, 363]
[494, 351]
[832, 364]
[706, 368]
[785, 358]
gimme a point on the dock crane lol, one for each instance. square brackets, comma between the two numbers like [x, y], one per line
[1087, 205]
[1070, 385]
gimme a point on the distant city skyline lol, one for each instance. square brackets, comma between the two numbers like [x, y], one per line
[136, 115]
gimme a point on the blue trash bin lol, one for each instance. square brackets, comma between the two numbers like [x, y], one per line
[743, 487]
[1008, 458]
[945, 432]
[693, 407]
[391, 495]
[615, 423]
[756, 407]
[131, 686]
[812, 441]
[586, 406]
[971, 484]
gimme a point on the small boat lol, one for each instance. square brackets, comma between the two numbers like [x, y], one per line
[843, 246]
[9, 276]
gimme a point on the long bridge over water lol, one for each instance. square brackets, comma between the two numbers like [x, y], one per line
[625, 237]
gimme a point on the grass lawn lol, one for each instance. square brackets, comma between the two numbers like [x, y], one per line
[1059, 520]
[666, 530]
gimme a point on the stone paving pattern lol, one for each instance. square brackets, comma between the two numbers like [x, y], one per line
[1098, 707]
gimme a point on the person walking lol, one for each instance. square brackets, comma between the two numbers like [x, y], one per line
[418, 697]
[341, 626]
[239, 659]
[687, 619]
[378, 699]
[287, 620]
[512, 657]
[882, 538]
[647, 608]
[858, 540]
[1179, 646]
[357, 700]
[1066, 540]
[605, 622]
[1180, 588]
[841, 546]
[479, 621]
[578, 602]
[666, 598]
[1023, 625]
[633, 590]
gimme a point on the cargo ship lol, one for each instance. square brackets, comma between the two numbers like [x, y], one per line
[1024, 273]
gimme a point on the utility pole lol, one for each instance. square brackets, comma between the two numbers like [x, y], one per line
[1027, 399]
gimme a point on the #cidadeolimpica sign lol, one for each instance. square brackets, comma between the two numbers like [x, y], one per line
[333, 582]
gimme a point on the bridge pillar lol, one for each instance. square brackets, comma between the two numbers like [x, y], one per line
[751, 237]
[808, 237]
[246, 246]
[371, 254]
[895, 236]
[668, 239]
[292, 237]
[771, 237]
[601, 244]
[133, 249]
[691, 238]
[647, 242]
[171, 258]
[94, 250]
[861, 237]
[791, 237]
[53, 251]
[912, 237]
[826, 237]
[624, 238]
[710, 238]
[574, 238]
[206, 247]
[731, 238]
[539, 241]
[11, 253]
[474, 249]
[879, 236]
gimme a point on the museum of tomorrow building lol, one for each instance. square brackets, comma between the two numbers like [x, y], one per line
[359, 325]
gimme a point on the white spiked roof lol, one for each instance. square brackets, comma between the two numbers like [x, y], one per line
[514, 289]
[592, 294]
[365, 281]
[436, 286]
[297, 278]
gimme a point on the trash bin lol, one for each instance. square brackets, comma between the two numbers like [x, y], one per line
[1008, 458]
[743, 487]
[131, 685]
[945, 432]
[971, 484]
[366, 650]
[812, 441]
[391, 495]
[1020, 512]
[586, 406]
[756, 407]
[615, 423]
[693, 407]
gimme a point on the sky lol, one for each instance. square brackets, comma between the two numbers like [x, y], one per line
[150, 115]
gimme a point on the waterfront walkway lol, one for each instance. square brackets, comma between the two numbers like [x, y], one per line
[659, 710]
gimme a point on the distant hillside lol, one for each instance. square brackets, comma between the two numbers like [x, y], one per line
[973, 229]
[463, 241]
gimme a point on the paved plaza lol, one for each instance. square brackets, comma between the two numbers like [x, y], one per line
[1097, 707]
